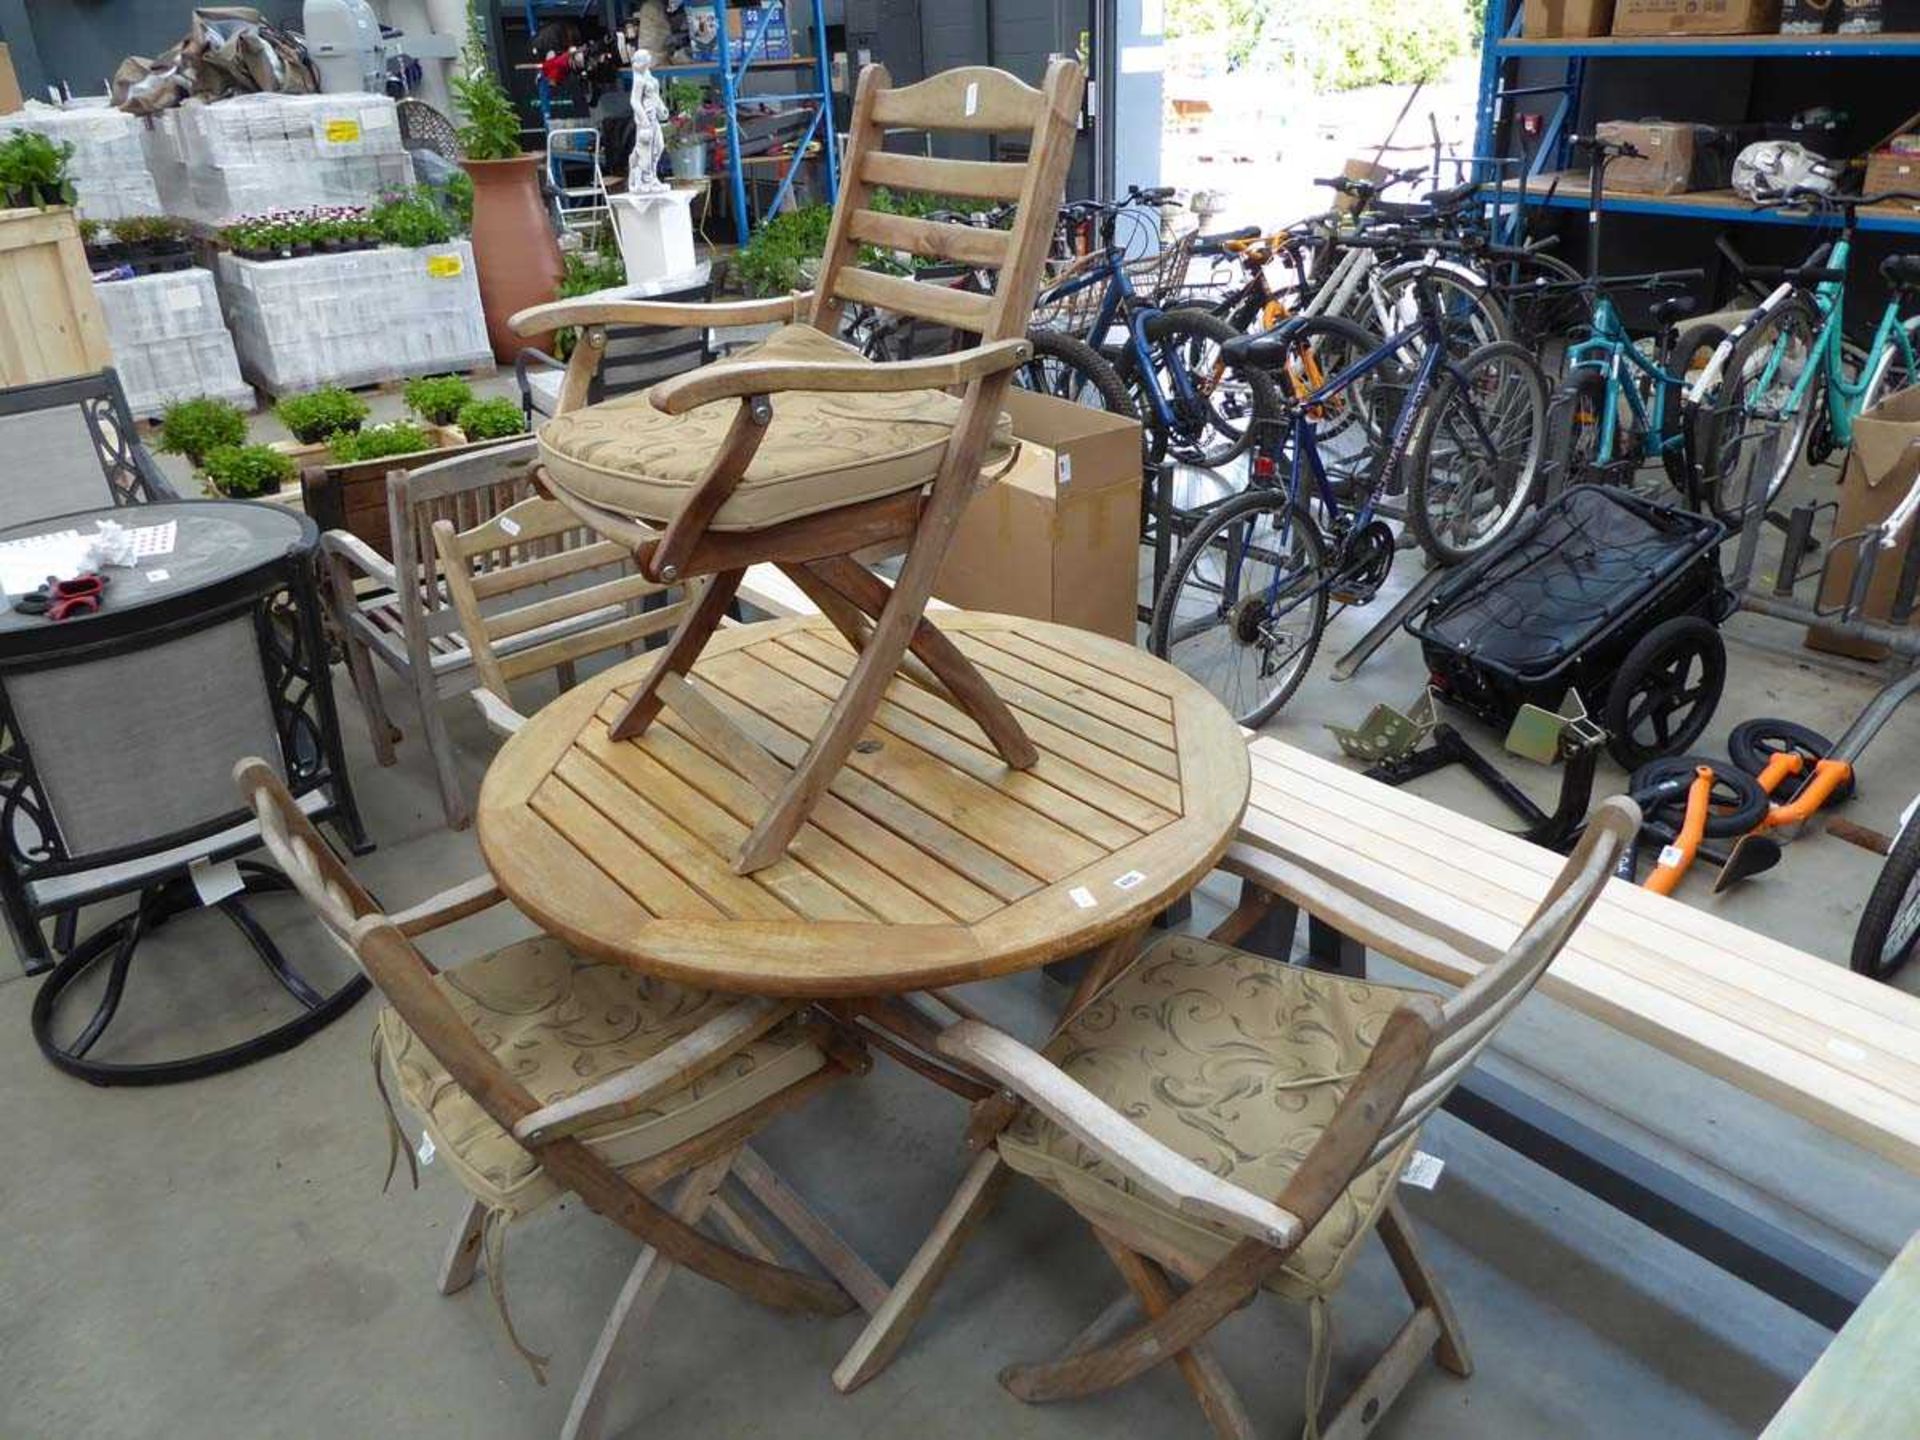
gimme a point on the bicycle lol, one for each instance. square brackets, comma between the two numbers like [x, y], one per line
[1787, 390]
[1247, 598]
[1170, 360]
[1618, 404]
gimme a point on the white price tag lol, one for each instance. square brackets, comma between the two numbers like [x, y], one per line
[1671, 856]
[510, 525]
[1063, 469]
[1082, 897]
[214, 882]
[426, 1151]
[156, 577]
[186, 298]
[1128, 880]
[973, 98]
[1423, 1171]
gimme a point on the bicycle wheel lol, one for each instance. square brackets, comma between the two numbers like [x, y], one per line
[1753, 422]
[1538, 294]
[1388, 304]
[1474, 464]
[1573, 431]
[1216, 406]
[1890, 924]
[1071, 369]
[1693, 349]
[1243, 608]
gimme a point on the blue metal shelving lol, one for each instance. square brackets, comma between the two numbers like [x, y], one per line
[729, 71]
[1504, 45]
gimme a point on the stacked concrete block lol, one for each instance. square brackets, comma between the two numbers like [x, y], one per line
[170, 341]
[108, 166]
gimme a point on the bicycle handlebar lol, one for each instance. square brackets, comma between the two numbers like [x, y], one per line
[1612, 149]
[1802, 196]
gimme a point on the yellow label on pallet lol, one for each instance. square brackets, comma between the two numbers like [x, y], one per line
[444, 267]
[343, 132]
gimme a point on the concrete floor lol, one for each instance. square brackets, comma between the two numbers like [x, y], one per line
[217, 1259]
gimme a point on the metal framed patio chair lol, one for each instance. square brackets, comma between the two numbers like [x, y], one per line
[48, 428]
[1241, 1124]
[538, 1074]
[800, 452]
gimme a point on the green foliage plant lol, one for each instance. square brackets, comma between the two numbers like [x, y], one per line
[491, 126]
[411, 218]
[196, 428]
[241, 472]
[437, 399]
[321, 414]
[490, 419]
[33, 172]
[377, 442]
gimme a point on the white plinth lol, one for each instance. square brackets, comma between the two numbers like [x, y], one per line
[656, 232]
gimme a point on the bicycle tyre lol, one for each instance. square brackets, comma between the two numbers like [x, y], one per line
[1573, 431]
[1213, 524]
[1891, 373]
[1721, 478]
[1186, 334]
[1889, 929]
[1073, 357]
[1449, 392]
[1738, 802]
[1692, 339]
[1490, 319]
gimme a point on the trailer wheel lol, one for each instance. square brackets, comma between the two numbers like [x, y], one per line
[1665, 691]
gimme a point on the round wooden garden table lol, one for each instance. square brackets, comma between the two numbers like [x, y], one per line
[930, 863]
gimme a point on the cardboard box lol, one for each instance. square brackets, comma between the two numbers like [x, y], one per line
[1566, 19]
[1674, 158]
[1891, 170]
[1058, 537]
[1880, 469]
[1696, 17]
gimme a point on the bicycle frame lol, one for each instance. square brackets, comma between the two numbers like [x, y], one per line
[1612, 352]
[1121, 302]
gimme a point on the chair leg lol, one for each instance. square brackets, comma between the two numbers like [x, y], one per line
[366, 686]
[676, 658]
[1423, 1285]
[463, 1254]
[1382, 1386]
[1218, 1399]
[433, 728]
[586, 1417]
[816, 1237]
[888, 1329]
[958, 676]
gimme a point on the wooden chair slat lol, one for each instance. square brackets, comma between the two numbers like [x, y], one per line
[519, 664]
[572, 603]
[933, 239]
[974, 179]
[961, 309]
[969, 98]
[542, 569]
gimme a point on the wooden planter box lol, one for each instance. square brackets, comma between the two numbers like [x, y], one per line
[50, 321]
[353, 497]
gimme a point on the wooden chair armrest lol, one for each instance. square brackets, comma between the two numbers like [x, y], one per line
[718, 314]
[1161, 1171]
[469, 897]
[739, 378]
[673, 1068]
[501, 717]
[360, 555]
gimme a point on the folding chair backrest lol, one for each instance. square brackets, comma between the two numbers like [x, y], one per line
[977, 100]
[1470, 1017]
[639, 357]
[464, 491]
[536, 591]
[302, 852]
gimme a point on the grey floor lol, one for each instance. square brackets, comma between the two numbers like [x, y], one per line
[218, 1259]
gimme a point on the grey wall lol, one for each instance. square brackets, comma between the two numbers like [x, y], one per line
[83, 41]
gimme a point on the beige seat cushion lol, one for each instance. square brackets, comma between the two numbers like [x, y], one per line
[560, 1023]
[821, 451]
[1236, 1062]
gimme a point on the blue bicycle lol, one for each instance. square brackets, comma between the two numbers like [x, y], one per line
[1194, 404]
[1249, 595]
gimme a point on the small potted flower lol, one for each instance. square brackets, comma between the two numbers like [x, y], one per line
[691, 126]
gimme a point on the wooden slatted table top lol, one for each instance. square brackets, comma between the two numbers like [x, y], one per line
[1864, 1387]
[1809, 1036]
[930, 863]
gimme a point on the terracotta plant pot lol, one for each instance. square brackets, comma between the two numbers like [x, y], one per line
[515, 254]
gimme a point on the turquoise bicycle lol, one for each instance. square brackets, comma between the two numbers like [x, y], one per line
[1786, 381]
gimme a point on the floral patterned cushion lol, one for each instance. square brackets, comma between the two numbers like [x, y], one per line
[560, 1023]
[1238, 1063]
[820, 452]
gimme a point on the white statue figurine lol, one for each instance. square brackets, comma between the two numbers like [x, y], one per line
[649, 141]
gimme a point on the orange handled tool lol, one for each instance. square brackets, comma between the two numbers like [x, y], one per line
[1677, 857]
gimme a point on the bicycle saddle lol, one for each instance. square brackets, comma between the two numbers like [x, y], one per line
[1267, 350]
[1902, 271]
[1672, 308]
[1453, 197]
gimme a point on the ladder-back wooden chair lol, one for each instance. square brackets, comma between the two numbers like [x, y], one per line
[1242, 1124]
[535, 590]
[537, 1073]
[801, 452]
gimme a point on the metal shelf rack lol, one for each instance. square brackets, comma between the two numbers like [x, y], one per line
[1504, 46]
[729, 71]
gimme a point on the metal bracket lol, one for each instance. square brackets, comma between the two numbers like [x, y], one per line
[1545, 736]
[1387, 733]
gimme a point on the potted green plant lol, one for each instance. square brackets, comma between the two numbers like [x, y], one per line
[516, 258]
[691, 126]
[378, 442]
[243, 472]
[196, 428]
[490, 419]
[322, 415]
[437, 399]
[33, 172]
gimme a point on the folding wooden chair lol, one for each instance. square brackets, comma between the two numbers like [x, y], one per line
[821, 453]
[1241, 1124]
[537, 1073]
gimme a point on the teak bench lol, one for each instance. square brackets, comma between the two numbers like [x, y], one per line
[1808, 1036]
